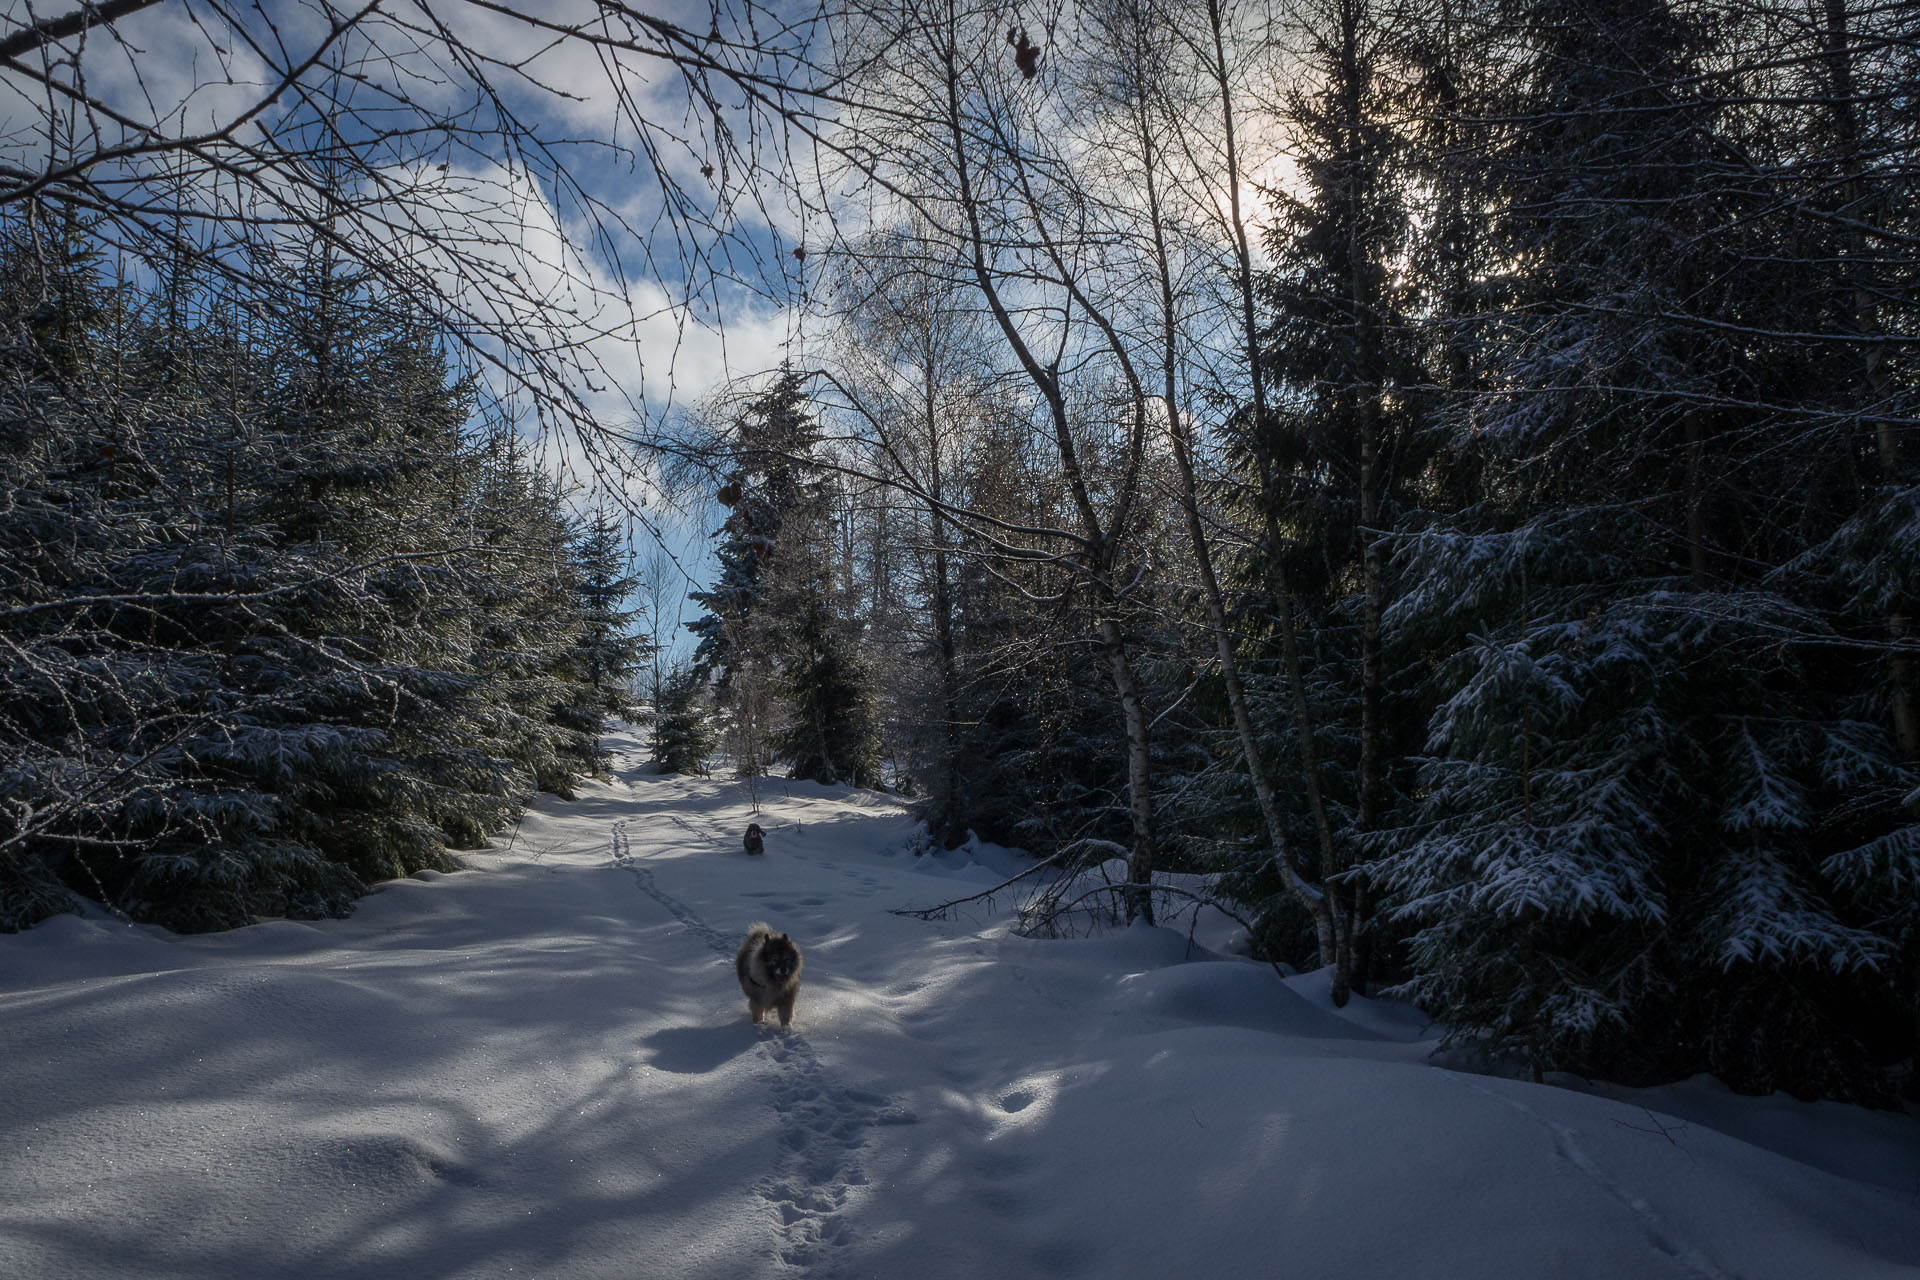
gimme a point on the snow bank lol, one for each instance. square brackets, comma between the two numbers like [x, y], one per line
[542, 1066]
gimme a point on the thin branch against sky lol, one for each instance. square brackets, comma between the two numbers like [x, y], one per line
[585, 194]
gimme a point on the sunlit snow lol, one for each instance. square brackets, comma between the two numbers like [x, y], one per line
[543, 1066]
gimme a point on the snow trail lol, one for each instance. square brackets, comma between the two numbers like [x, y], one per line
[822, 1122]
[530, 1069]
[1659, 1232]
[644, 878]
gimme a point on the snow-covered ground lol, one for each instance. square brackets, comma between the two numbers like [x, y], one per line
[544, 1067]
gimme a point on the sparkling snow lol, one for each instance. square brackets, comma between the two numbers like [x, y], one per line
[543, 1067]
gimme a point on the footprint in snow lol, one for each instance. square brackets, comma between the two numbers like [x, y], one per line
[823, 1124]
[644, 878]
[823, 1127]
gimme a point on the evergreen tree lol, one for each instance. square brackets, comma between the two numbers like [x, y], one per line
[832, 731]
[1325, 476]
[683, 735]
[1038, 757]
[257, 667]
[1642, 759]
[525, 589]
[774, 613]
[775, 488]
[611, 650]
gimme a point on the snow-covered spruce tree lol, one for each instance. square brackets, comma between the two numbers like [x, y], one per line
[1824, 116]
[683, 730]
[527, 620]
[368, 492]
[422, 682]
[774, 613]
[1646, 763]
[249, 675]
[1322, 475]
[95, 698]
[830, 727]
[609, 650]
[48, 529]
[773, 474]
[1645, 826]
[831, 733]
[134, 678]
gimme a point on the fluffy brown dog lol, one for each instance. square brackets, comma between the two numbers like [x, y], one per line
[755, 840]
[769, 968]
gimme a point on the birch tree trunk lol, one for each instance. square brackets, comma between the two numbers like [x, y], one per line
[1097, 537]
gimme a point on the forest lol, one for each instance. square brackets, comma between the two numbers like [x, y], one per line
[1446, 471]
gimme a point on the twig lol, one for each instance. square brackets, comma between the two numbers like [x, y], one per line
[935, 913]
[1056, 910]
[1665, 1131]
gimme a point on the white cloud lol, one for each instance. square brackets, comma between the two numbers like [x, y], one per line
[576, 276]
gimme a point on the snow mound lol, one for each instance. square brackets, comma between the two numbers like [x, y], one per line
[1226, 993]
[543, 1066]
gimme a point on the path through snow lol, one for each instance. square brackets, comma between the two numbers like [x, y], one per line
[822, 1123]
[544, 1067]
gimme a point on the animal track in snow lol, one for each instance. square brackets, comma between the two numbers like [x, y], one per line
[1660, 1234]
[823, 1126]
[643, 876]
[822, 1123]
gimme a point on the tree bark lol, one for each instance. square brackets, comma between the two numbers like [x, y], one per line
[40, 34]
[1309, 895]
[953, 825]
[1866, 321]
[1098, 540]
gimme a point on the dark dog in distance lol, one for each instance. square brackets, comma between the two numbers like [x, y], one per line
[769, 967]
[756, 841]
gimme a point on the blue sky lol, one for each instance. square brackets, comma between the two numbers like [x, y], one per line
[641, 262]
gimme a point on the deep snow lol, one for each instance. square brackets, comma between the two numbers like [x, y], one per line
[543, 1067]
